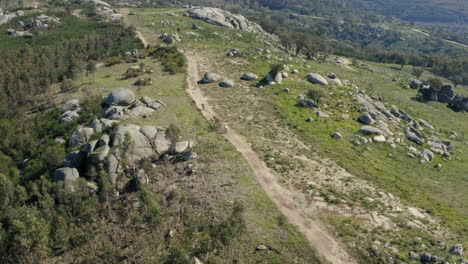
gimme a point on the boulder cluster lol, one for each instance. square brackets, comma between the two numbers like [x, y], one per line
[104, 145]
[169, 38]
[331, 79]
[223, 18]
[455, 250]
[211, 77]
[5, 17]
[379, 122]
[444, 94]
[40, 23]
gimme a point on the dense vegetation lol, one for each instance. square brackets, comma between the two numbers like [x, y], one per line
[29, 67]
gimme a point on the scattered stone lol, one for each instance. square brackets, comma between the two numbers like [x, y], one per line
[190, 155]
[413, 255]
[337, 135]
[380, 139]
[226, 83]
[286, 90]
[368, 130]
[170, 38]
[309, 119]
[413, 137]
[425, 258]
[457, 250]
[249, 76]
[261, 248]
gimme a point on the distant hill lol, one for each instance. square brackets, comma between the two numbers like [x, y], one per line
[445, 11]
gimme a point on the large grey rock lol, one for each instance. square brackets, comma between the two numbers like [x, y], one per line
[71, 105]
[121, 96]
[223, 18]
[170, 38]
[141, 111]
[425, 258]
[98, 3]
[66, 175]
[114, 113]
[111, 164]
[413, 255]
[142, 178]
[457, 249]
[335, 82]
[81, 136]
[161, 142]
[211, 77]
[249, 76]
[69, 116]
[99, 154]
[106, 123]
[415, 84]
[139, 145]
[368, 130]
[97, 126]
[149, 132]
[181, 146]
[428, 155]
[156, 104]
[413, 137]
[317, 79]
[366, 119]
[446, 94]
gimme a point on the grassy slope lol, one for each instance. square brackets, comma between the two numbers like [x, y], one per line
[219, 162]
[441, 192]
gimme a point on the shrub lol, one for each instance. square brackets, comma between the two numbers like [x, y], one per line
[316, 95]
[68, 86]
[435, 83]
[172, 60]
[275, 69]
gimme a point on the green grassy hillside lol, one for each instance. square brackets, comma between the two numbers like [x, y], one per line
[265, 116]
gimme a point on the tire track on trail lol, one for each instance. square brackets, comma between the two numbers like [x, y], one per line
[318, 238]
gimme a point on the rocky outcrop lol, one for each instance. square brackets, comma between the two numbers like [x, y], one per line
[223, 18]
[169, 38]
[66, 174]
[445, 95]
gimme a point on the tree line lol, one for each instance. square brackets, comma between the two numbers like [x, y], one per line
[28, 72]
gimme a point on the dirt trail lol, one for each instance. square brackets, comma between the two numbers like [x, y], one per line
[325, 245]
[142, 38]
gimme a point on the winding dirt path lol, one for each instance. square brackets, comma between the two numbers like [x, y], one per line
[325, 245]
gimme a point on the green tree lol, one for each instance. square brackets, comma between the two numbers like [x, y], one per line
[418, 71]
[316, 95]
